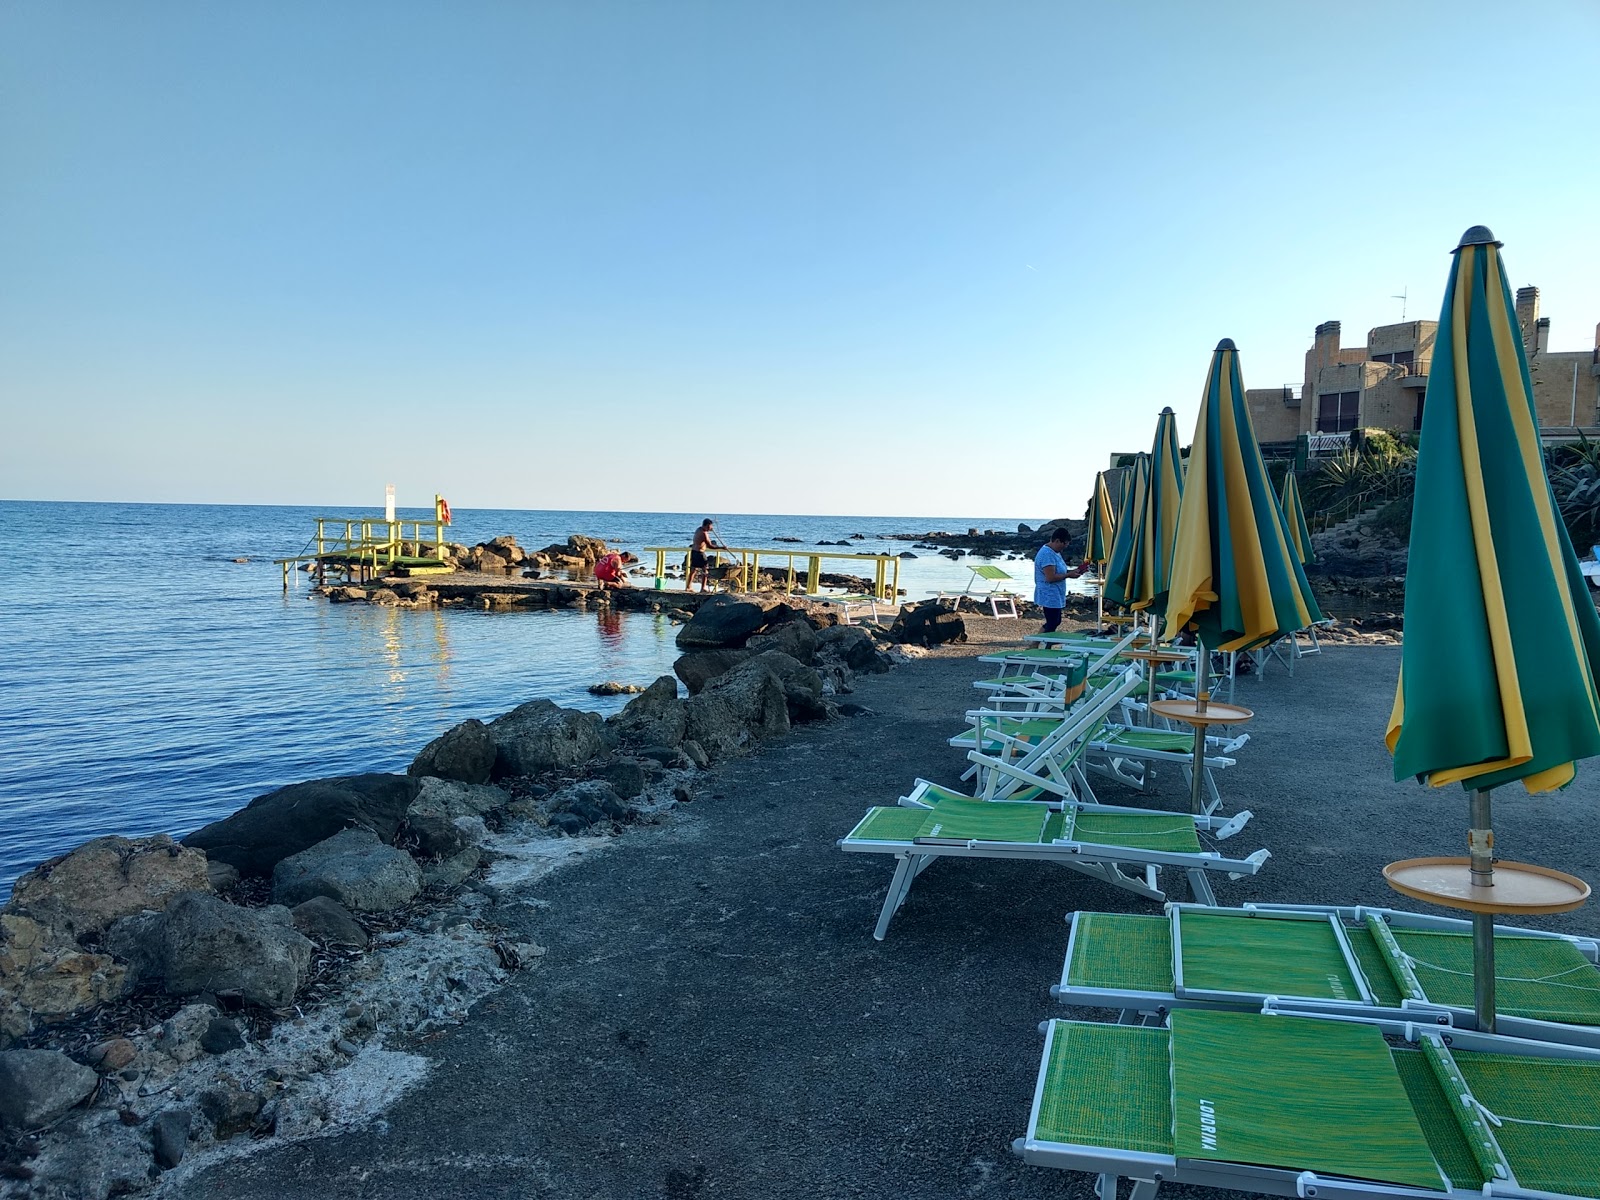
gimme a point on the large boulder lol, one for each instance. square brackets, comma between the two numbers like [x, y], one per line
[580, 805]
[721, 621]
[738, 710]
[854, 646]
[699, 667]
[326, 920]
[111, 877]
[37, 1086]
[542, 736]
[795, 638]
[464, 752]
[272, 827]
[655, 717]
[930, 623]
[465, 799]
[352, 867]
[46, 976]
[802, 687]
[436, 828]
[208, 945]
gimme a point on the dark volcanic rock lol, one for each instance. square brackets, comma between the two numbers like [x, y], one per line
[37, 1086]
[212, 946]
[930, 623]
[655, 717]
[352, 867]
[699, 667]
[721, 621]
[326, 920]
[737, 710]
[284, 822]
[541, 736]
[169, 1137]
[465, 753]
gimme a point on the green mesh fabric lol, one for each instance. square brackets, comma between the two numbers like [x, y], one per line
[1175, 677]
[1151, 739]
[956, 817]
[1053, 824]
[1135, 831]
[1106, 1085]
[935, 793]
[1263, 955]
[1474, 1128]
[1111, 950]
[1534, 977]
[1524, 1091]
[1374, 965]
[888, 825]
[1042, 654]
[1439, 1124]
[1302, 1095]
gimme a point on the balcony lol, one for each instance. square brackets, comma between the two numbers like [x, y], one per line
[1414, 377]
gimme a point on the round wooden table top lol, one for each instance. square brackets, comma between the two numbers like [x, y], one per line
[1518, 887]
[1157, 655]
[1188, 711]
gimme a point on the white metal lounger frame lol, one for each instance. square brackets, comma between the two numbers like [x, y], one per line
[1126, 764]
[1148, 1171]
[1153, 1005]
[1110, 864]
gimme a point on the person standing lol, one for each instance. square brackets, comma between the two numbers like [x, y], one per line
[699, 561]
[1050, 575]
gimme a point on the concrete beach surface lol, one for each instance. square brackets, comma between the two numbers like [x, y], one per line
[711, 1016]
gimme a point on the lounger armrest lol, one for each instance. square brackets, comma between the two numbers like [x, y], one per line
[1258, 860]
[1229, 745]
[1235, 823]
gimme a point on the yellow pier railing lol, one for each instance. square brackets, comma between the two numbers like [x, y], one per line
[364, 545]
[886, 569]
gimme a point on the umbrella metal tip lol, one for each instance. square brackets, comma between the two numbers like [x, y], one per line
[1167, 412]
[1478, 235]
[1227, 344]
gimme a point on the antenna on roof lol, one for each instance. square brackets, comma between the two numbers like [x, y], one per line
[1402, 298]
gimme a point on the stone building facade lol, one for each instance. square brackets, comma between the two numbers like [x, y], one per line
[1382, 385]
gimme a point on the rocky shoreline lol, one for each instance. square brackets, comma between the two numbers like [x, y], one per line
[161, 999]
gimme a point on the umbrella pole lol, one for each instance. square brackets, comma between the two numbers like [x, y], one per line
[1202, 669]
[1480, 845]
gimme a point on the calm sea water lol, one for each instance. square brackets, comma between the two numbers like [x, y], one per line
[150, 683]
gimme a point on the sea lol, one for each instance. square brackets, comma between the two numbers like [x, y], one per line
[156, 675]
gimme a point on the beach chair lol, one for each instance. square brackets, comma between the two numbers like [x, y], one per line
[1350, 961]
[998, 595]
[1316, 1107]
[850, 604]
[1126, 847]
[1128, 754]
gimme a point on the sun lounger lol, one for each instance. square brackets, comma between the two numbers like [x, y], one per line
[1126, 847]
[998, 595]
[1347, 961]
[1315, 1107]
[850, 604]
[1127, 753]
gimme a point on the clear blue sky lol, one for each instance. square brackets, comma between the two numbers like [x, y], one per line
[871, 257]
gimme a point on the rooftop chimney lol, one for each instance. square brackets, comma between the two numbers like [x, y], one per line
[1527, 314]
[1541, 335]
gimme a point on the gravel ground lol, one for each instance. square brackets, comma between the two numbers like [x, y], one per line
[713, 1017]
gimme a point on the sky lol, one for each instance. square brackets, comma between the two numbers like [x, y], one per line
[898, 257]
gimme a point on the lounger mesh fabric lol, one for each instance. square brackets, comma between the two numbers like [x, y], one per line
[1108, 1085]
[1341, 1110]
[1113, 950]
[1374, 965]
[1533, 1099]
[1135, 831]
[982, 820]
[1439, 1124]
[1148, 739]
[889, 825]
[1534, 977]
[1273, 957]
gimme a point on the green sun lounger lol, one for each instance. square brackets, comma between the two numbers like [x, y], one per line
[1315, 1107]
[1125, 847]
[1345, 961]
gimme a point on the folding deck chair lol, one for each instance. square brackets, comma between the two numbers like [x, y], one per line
[1315, 1106]
[850, 604]
[1344, 961]
[998, 595]
[1126, 847]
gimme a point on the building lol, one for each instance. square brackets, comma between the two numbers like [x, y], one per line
[1382, 384]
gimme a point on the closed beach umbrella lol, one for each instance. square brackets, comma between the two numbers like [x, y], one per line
[1295, 517]
[1121, 583]
[1502, 644]
[1162, 501]
[1102, 520]
[1235, 574]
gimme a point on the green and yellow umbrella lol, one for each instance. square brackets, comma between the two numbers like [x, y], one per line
[1102, 520]
[1122, 582]
[1294, 516]
[1502, 644]
[1235, 574]
[1162, 501]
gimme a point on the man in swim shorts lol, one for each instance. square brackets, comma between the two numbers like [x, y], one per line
[699, 561]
